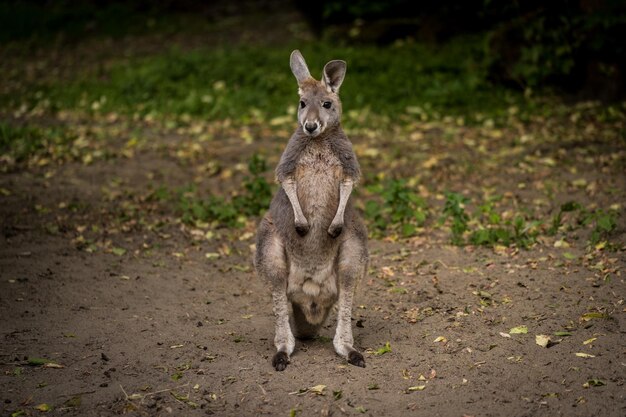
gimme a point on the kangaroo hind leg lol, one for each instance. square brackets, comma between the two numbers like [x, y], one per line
[352, 265]
[271, 265]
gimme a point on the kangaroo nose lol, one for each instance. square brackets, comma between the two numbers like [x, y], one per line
[310, 126]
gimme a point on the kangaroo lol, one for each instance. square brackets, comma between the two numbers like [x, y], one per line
[311, 246]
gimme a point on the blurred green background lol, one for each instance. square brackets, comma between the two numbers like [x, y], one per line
[468, 58]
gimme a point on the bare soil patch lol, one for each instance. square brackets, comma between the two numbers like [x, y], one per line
[160, 328]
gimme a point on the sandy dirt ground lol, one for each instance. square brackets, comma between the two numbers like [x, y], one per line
[159, 328]
[110, 305]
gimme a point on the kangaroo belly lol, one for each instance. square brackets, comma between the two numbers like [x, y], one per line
[313, 287]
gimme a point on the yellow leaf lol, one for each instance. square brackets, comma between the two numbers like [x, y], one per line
[586, 342]
[499, 249]
[430, 162]
[371, 152]
[519, 330]
[281, 120]
[387, 271]
[318, 389]
[440, 339]
[383, 350]
[43, 407]
[542, 340]
[593, 315]
[53, 365]
[584, 355]
[417, 388]
[561, 243]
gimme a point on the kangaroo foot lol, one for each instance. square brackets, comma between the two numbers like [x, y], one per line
[356, 359]
[280, 361]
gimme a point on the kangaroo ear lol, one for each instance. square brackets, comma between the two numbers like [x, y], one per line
[298, 66]
[334, 72]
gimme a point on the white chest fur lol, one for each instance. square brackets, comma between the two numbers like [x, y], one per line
[318, 175]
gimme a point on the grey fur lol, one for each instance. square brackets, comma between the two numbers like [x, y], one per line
[333, 74]
[298, 66]
[312, 246]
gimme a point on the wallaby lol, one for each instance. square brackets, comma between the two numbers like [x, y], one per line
[311, 246]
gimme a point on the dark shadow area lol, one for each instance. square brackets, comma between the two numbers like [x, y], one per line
[574, 45]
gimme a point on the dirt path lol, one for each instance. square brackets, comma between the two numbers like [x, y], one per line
[142, 321]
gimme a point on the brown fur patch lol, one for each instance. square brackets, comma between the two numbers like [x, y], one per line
[310, 83]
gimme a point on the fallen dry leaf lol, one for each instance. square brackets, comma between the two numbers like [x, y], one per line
[519, 330]
[542, 340]
[318, 389]
[43, 407]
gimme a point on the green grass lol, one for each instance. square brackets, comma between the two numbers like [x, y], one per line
[399, 208]
[396, 85]
[247, 83]
[252, 201]
[20, 142]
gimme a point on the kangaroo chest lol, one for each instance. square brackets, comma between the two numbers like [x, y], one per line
[317, 175]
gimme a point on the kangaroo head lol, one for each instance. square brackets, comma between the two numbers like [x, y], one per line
[320, 107]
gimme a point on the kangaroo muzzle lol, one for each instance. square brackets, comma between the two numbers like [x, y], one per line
[312, 128]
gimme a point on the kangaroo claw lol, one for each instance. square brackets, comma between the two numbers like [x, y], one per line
[356, 359]
[335, 230]
[280, 361]
[302, 229]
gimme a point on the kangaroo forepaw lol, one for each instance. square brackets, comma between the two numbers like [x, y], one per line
[356, 359]
[280, 361]
[335, 230]
[302, 228]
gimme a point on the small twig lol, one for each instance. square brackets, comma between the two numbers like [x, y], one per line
[437, 261]
[165, 390]
[125, 394]
[149, 394]
[262, 389]
[176, 399]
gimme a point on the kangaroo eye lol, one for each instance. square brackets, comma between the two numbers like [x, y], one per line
[302, 104]
[327, 104]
